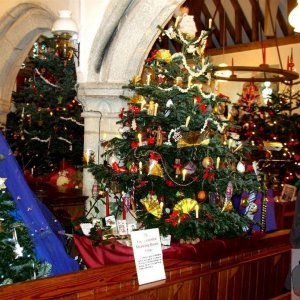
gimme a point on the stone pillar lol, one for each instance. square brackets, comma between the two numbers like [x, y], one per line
[101, 107]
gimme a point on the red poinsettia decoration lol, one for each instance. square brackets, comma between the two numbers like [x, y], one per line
[134, 145]
[151, 140]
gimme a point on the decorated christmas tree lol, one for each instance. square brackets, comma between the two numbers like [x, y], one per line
[45, 125]
[271, 122]
[18, 262]
[180, 160]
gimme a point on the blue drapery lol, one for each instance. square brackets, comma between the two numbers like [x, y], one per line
[40, 222]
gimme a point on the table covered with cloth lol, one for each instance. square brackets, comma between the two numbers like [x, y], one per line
[101, 255]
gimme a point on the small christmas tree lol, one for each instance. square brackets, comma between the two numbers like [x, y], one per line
[46, 122]
[18, 262]
[179, 160]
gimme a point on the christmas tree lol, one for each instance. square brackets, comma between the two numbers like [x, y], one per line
[179, 160]
[18, 262]
[46, 122]
[270, 121]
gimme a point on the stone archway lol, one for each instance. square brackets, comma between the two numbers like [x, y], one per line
[19, 29]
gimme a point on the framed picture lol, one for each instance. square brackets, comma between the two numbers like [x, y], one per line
[288, 193]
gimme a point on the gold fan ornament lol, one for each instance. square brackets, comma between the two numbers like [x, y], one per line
[186, 205]
[152, 206]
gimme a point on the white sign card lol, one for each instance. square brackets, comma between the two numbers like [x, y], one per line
[111, 221]
[148, 255]
[122, 227]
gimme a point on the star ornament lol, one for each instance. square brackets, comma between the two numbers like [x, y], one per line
[2, 183]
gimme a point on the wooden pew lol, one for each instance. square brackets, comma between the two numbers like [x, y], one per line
[254, 274]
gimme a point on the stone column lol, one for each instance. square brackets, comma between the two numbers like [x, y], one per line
[101, 107]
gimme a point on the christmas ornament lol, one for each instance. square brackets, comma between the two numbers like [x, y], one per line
[186, 205]
[152, 206]
[228, 206]
[190, 168]
[136, 99]
[229, 191]
[191, 139]
[2, 183]
[155, 168]
[18, 250]
[207, 162]
[164, 55]
[201, 195]
[177, 166]
[241, 167]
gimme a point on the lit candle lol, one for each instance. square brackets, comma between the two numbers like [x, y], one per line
[190, 81]
[140, 139]
[184, 171]
[218, 163]
[209, 23]
[187, 121]
[148, 76]
[161, 204]
[143, 103]
[197, 211]
[155, 109]
[140, 167]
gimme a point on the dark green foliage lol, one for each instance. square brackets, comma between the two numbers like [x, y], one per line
[15, 269]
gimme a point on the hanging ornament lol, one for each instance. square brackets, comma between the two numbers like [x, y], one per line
[152, 206]
[229, 191]
[2, 183]
[241, 167]
[207, 162]
[190, 168]
[18, 250]
[133, 168]
[228, 206]
[155, 168]
[201, 196]
[177, 166]
[133, 124]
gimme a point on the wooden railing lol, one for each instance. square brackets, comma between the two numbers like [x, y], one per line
[253, 274]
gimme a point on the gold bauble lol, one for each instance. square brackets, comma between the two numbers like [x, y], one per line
[207, 162]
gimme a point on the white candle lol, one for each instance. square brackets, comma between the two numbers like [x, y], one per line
[140, 167]
[161, 204]
[218, 163]
[143, 103]
[209, 23]
[197, 211]
[184, 171]
[155, 109]
[140, 139]
[187, 121]
[190, 81]
[148, 76]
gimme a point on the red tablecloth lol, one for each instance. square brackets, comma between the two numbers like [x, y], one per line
[97, 256]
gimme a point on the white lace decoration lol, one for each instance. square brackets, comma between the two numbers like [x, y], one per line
[72, 120]
[47, 81]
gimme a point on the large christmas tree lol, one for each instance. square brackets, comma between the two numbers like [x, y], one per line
[179, 160]
[45, 125]
[18, 262]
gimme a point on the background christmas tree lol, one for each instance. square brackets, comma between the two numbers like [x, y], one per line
[45, 125]
[18, 262]
[270, 121]
[179, 160]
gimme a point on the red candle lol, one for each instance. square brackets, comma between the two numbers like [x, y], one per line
[124, 209]
[107, 204]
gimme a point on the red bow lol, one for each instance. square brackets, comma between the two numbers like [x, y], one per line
[154, 156]
[208, 175]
